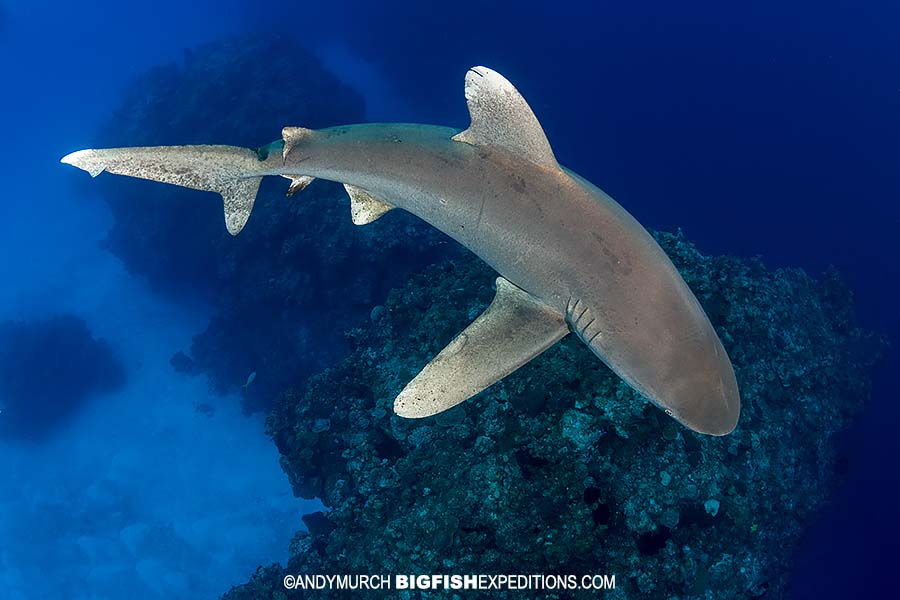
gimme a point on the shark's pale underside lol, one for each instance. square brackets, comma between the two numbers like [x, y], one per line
[570, 258]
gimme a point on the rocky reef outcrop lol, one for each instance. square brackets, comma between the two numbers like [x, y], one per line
[48, 369]
[561, 467]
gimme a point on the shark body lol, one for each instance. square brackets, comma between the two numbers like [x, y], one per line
[570, 258]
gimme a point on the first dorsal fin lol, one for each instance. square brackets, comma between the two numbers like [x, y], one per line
[515, 328]
[502, 118]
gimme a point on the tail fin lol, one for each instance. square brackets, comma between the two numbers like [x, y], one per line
[233, 172]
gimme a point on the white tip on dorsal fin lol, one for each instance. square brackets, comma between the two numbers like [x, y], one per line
[501, 117]
[364, 207]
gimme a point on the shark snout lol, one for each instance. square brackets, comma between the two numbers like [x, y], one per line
[719, 417]
[707, 399]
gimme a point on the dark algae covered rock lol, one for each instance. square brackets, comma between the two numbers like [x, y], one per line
[561, 468]
[48, 369]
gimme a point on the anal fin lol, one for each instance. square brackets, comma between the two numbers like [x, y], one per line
[364, 206]
[514, 329]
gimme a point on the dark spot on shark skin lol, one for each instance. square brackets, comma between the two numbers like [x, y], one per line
[537, 205]
[480, 214]
[448, 159]
[615, 264]
[518, 184]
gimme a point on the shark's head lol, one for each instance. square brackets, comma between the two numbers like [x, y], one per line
[715, 414]
[704, 395]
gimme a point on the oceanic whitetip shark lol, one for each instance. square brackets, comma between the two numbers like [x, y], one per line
[570, 258]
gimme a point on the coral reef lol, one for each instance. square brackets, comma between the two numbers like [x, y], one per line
[48, 369]
[284, 291]
[561, 467]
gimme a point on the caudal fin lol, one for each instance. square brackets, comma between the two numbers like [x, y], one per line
[233, 172]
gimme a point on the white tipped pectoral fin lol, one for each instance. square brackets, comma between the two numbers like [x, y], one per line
[502, 118]
[365, 207]
[514, 329]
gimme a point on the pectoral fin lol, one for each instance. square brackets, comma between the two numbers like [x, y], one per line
[515, 328]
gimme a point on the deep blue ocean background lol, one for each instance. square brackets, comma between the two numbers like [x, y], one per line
[769, 129]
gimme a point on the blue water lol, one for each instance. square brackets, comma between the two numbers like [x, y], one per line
[769, 129]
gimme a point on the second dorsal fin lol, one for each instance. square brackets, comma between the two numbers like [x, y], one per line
[502, 118]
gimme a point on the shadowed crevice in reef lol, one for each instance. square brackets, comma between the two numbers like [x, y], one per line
[300, 274]
[561, 468]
